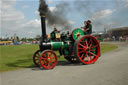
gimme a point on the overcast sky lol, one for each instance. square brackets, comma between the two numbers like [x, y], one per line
[22, 17]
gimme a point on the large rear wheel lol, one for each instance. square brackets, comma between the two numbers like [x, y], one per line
[87, 49]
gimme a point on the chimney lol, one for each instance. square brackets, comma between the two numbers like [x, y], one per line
[43, 27]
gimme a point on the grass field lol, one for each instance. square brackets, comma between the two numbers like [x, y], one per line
[20, 56]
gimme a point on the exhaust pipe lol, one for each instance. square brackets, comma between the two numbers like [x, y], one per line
[43, 27]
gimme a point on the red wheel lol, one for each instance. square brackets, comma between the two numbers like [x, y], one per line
[36, 58]
[48, 59]
[87, 49]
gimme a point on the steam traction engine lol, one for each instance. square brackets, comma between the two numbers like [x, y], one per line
[75, 47]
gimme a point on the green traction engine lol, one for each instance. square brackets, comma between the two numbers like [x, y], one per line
[76, 48]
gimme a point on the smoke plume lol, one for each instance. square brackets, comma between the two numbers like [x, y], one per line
[57, 17]
[98, 11]
[43, 8]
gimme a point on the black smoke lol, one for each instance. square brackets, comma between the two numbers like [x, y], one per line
[58, 16]
[43, 8]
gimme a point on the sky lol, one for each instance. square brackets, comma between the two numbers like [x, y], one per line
[22, 16]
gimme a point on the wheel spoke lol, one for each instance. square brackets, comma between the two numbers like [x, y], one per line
[92, 50]
[53, 59]
[45, 63]
[50, 55]
[88, 57]
[44, 55]
[80, 48]
[94, 46]
[92, 53]
[48, 65]
[43, 58]
[51, 62]
[36, 56]
[37, 59]
[82, 56]
[86, 43]
[82, 51]
[81, 45]
[90, 43]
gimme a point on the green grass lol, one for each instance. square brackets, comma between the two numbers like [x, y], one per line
[107, 47]
[20, 56]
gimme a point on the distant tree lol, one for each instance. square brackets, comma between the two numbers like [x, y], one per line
[23, 39]
[30, 39]
[0, 39]
[5, 39]
[18, 39]
[37, 37]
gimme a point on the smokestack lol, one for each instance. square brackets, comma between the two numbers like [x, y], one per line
[43, 8]
[43, 27]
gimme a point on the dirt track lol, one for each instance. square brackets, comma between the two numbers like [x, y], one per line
[110, 69]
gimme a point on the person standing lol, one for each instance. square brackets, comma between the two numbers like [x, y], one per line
[89, 27]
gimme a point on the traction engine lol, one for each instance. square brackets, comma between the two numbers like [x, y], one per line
[76, 48]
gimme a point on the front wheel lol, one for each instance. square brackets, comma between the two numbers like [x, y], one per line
[48, 59]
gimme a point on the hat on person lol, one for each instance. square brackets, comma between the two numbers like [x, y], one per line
[89, 21]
